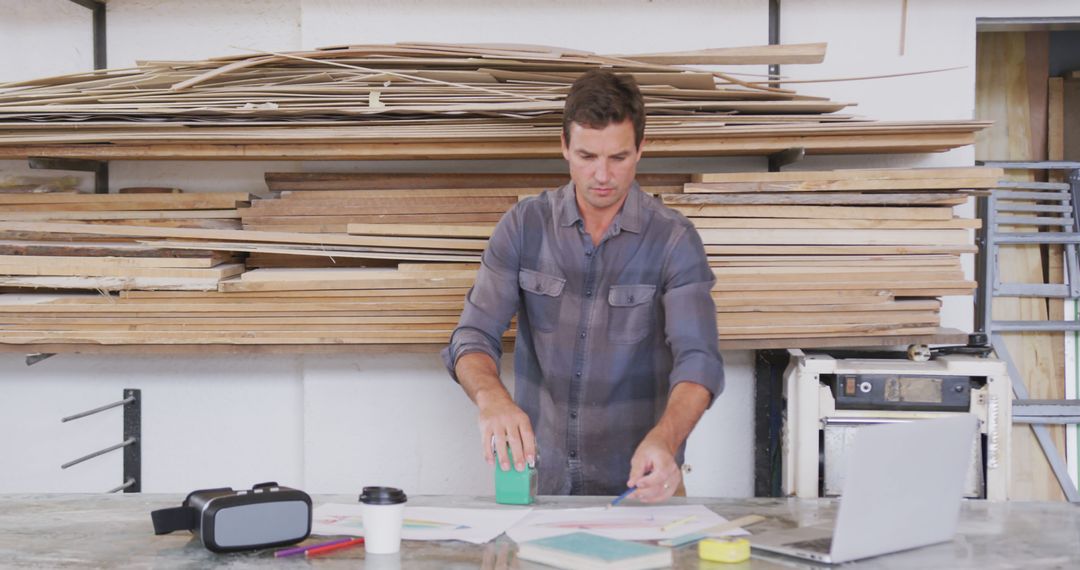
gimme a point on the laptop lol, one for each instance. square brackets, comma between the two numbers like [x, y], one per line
[903, 484]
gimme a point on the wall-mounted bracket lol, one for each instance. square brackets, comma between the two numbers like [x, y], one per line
[778, 160]
[99, 168]
[32, 359]
[131, 444]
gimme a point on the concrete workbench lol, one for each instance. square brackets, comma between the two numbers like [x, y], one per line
[114, 531]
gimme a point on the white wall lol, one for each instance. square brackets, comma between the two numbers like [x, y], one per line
[333, 424]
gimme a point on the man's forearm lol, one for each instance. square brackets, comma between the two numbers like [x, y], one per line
[479, 377]
[502, 423]
[686, 404]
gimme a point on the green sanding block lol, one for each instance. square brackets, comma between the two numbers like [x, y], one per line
[513, 487]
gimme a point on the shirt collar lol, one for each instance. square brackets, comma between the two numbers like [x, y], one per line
[628, 218]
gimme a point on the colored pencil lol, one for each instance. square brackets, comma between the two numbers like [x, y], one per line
[679, 522]
[299, 549]
[333, 547]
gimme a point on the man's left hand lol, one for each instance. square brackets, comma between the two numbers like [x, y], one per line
[653, 470]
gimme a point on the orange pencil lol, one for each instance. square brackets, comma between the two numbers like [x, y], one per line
[333, 547]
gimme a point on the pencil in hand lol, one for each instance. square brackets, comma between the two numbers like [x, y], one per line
[624, 495]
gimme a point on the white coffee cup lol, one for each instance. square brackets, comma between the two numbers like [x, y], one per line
[383, 509]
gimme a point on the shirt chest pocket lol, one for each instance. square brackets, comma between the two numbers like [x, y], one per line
[632, 313]
[543, 298]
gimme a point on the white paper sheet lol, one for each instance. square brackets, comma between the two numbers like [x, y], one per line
[626, 523]
[422, 523]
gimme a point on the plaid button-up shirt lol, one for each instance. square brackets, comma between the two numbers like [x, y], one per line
[604, 331]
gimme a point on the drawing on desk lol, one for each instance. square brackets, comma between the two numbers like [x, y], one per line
[421, 523]
[603, 525]
[626, 523]
[357, 523]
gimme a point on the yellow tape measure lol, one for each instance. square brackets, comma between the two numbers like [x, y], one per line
[724, 550]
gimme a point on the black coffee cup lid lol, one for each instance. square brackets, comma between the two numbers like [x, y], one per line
[382, 496]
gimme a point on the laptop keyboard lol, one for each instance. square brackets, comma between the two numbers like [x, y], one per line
[822, 545]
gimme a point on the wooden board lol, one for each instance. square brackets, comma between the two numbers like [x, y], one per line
[250, 236]
[76, 262]
[389, 283]
[254, 218]
[112, 283]
[96, 269]
[711, 236]
[772, 54]
[835, 249]
[55, 214]
[819, 199]
[823, 212]
[1003, 93]
[1071, 118]
[418, 230]
[939, 336]
[511, 183]
[854, 223]
[914, 176]
[105, 249]
[841, 186]
[368, 206]
[818, 309]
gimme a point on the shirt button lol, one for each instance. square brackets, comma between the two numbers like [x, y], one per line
[588, 253]
[582, 335]
[578, 374]
[573, 415]
[573, 453]
[588, 293]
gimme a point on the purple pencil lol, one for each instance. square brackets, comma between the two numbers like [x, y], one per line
[302, 549]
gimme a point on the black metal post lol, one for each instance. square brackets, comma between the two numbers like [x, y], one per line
[98, 9]
[769, 366]
[133, 453]
[774, 39]
[982, 264]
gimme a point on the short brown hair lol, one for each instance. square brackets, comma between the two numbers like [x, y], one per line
[599, 98]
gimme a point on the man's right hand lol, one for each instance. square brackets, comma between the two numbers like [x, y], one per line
[501, 421]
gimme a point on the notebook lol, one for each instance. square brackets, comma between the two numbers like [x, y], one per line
[584, 551]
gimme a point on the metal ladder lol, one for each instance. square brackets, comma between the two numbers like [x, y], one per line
[1056, 208]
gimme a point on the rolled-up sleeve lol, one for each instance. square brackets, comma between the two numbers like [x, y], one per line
[492, 301]
[690, 316]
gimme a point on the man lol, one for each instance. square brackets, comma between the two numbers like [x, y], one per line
[616, 356]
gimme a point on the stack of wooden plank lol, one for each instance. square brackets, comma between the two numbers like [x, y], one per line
[833, 254]
[267, 308]
[33, 256]
[852, 257]
[430, 101]
[330, 202]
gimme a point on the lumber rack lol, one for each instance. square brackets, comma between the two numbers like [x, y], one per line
[942, 337]
[1055, 210]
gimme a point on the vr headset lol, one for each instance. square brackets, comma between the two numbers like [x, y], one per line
[225, 520]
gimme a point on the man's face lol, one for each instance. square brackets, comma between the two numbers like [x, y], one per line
[603, 163]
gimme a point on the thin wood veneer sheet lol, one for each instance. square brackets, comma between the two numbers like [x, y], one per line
[445, 101]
